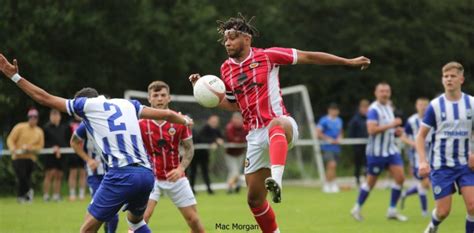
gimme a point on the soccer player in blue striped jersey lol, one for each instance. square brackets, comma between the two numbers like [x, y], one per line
[451, 166]
[83, 144]
[411, 130]
[113, 124]
[382, 152]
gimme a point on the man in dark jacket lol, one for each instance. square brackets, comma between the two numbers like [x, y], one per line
[358, 129]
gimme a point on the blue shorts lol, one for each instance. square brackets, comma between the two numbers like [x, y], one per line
[94, 182]
[129, 185]
[445, 180]
[376, 164]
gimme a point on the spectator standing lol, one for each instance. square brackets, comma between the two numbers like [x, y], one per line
[358, 129]
[329, 129]
[209, 134]
[56, 136]
[76, 170]
[24, 142]
[234, 157]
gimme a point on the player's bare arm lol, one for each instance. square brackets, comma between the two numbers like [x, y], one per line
[176, 173]
[424, 167]
[36, 93]
[224, 104]
[404, 138]
[320, 58]
[375, 128]
[76, 145]
[166, 114]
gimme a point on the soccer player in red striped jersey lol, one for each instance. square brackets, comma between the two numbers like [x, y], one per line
[252, 87]
[162, 140]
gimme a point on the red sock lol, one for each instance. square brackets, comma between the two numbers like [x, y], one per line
[278, 145]
[265, 218]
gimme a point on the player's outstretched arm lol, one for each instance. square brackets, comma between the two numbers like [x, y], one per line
[76, 145]
[37, 94]
[320, 58]
[168, 115]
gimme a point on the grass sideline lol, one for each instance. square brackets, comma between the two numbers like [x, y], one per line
[303, 210]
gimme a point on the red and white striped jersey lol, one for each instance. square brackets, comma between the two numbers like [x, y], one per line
[254, 84]
[162, 144]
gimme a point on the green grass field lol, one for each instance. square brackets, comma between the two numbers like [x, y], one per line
[303, 210]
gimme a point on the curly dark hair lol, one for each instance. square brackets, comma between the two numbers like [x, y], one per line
[87, 92]
[239, 23]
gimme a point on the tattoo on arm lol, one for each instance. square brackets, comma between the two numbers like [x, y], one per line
[188, 152]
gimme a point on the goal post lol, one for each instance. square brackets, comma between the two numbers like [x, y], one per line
[305, 157]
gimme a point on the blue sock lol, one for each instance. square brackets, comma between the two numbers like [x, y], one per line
[411, 191]
[434, 219]
[469, 224]
[396, 191]
[363, 194]
[143, 229]
[424, 202]
[112, 224]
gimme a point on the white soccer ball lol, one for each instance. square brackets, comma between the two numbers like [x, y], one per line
[209, 91]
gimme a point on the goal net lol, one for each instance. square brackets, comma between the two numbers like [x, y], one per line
[304, 161]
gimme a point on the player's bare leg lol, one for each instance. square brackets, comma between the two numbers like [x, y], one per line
[280, 134]
[48, 176]
[192, 219]
[256, 199]
[82, 183]
[441, 212]
[468, 195]
[364, 192]
[150, 208]
[58, 178]
[90, 224]
[396, 172]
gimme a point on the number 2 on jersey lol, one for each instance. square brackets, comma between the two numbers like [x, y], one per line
[115, 116]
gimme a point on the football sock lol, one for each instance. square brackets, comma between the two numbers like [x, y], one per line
[265, 218]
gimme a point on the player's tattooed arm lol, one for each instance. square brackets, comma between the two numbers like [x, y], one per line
[229, 106]
[76, 145]
[36, 93]
[178, 172]
[320, 58]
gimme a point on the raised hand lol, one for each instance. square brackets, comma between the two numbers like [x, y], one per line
[7, 68]
[193, 78]
[361, 62]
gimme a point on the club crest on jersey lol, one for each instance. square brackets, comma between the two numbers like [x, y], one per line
[437, 189]
[172, 131]
[376, 170]
[247, 162]
[254, 65]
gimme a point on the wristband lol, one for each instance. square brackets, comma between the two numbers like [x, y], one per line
[16, 78]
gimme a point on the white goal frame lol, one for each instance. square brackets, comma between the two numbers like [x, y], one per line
[306, 104]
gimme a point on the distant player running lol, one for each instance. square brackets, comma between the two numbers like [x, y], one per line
[162, 140]
[83, 144]
[251, 78]
[450, 118]
[382, 152]
[113, 123]
[412, 127]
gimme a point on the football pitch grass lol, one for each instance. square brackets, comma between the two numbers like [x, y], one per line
[303, 209]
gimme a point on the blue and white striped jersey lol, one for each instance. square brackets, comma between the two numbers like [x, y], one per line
[113, 124]
[411, 130]
[91, 150]
[381, 144]
[451, 123]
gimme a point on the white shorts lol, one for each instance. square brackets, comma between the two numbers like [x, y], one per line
[179, 192]
[257, 143]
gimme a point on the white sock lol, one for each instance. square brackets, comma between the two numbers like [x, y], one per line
[277, 173]
[470, 218]
[56, 196]
[72, 192]
[135, 226]
[82, 191]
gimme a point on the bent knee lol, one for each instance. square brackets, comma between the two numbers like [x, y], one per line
[255, 202]
[443, 213]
